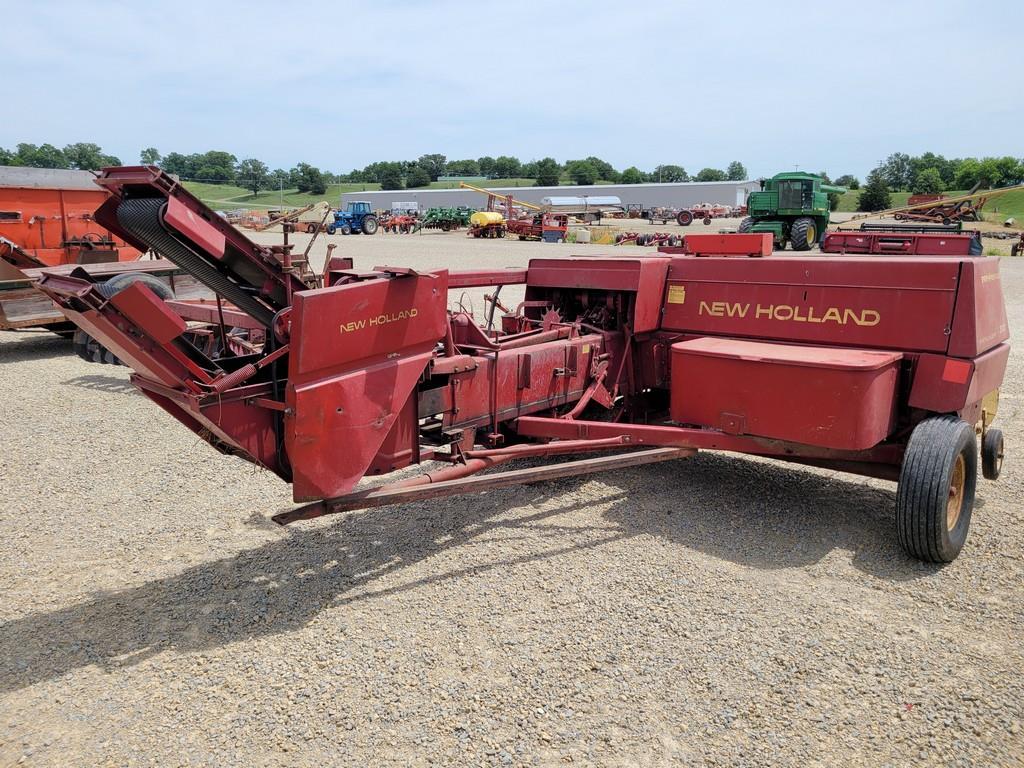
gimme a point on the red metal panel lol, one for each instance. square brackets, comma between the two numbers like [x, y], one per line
[948, 385]
[853, 301]
[358, 351]
[741, 244]
[338, 326]
[834, 398]
[144, 308]
[897, 243]
[194, 227]
[979, 320]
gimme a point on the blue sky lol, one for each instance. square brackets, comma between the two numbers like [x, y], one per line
[825, 86]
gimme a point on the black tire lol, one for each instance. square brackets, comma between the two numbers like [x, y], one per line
[331, 229]
[992, 453]
[310, 229]
[90, 350]
[707, 221]
[370, 225]
[746, 225]
[684, 218]
[118, 283]
[346, 229]
[935, 496]
[1015, 249]
[803, 234]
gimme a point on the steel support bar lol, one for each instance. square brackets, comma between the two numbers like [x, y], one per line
[485, 278]
[700, 439]
[379, 497]
[205, 311]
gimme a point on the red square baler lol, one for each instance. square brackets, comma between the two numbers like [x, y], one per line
[888, 366]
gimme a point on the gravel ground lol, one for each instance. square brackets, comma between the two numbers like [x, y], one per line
[717, 610]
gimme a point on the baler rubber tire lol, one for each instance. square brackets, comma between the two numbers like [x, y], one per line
[90, 350]
[992, 453]
[746, 225]
[927, 480]
[798, 234]
[118, 283]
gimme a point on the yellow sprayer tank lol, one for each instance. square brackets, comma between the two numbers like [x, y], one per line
[483, 218]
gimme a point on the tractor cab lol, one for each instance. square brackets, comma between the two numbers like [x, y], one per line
[357, 217]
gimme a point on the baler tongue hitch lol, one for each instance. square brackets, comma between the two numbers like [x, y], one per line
[876, 365]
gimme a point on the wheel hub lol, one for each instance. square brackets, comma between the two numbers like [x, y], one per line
[956, 492]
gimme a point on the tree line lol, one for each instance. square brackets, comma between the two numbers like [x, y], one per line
[928, 173]
[220, 167]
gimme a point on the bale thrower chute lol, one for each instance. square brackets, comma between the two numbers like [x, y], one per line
[878, 366]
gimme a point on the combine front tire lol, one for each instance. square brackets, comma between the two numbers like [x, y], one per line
[370, 225]
[684, 218]
[803, 234]
[935, 495]
[992, 454]
[746, 225]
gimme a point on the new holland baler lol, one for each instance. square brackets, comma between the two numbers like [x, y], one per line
[875, 365]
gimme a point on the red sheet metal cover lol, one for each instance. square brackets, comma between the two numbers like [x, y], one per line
[194, 227]
[808, 357]
[853, 301]
[833, 398]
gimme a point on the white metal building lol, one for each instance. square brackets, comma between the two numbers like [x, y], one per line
[680, 195]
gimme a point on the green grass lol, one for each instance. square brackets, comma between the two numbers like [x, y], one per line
[226, 196]
[1009, 205]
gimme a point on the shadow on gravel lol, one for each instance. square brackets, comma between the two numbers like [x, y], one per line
[772, 516]
[101, 383]
[755, 514]
[22, 346]
[277, 587]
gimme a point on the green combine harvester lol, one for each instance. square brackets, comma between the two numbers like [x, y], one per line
[794, 207]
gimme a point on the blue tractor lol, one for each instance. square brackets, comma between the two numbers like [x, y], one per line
[358, 217]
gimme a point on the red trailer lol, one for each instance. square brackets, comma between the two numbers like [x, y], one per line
[541, 226]
[873, 365]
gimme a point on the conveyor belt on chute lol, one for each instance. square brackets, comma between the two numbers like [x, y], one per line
[141, 218]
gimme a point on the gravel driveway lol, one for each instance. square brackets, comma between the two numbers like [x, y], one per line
[716, 610]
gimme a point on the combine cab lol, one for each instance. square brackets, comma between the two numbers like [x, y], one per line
[793, 207]
[873, 365]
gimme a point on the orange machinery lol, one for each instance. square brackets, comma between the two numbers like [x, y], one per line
[46, 222]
